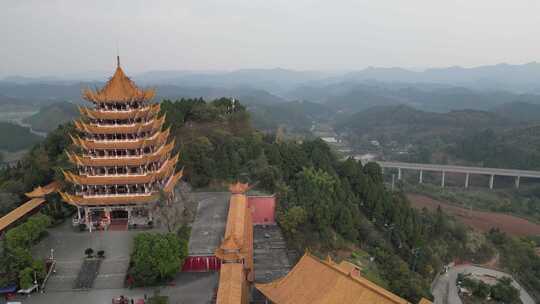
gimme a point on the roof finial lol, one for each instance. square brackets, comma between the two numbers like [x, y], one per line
[117, 54]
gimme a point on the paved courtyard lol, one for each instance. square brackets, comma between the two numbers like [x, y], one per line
[192, 288]
[69, 246]
[209, 225]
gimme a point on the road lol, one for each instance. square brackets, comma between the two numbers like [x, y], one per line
[445, 289]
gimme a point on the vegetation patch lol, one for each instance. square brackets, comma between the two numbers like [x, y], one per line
[156, 258]
[14, 137]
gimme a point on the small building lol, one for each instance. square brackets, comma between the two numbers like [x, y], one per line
[263, 209]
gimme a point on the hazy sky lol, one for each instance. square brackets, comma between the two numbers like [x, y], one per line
[59, 37]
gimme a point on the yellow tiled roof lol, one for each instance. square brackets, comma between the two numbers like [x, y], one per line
[232, 288]
[118, 89]
[19, 212]
[324, 282]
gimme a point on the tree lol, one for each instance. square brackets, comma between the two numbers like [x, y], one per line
[316, 191]
[26, 278]
[292, 219]
[89, 252]
[156, 257]
[504, 292]
[176, 212]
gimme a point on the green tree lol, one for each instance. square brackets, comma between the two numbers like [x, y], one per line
[316, 191]
[292, 219]
[156, 257]
[504, 292]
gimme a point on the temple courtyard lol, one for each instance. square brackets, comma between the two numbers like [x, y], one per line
[67, 244]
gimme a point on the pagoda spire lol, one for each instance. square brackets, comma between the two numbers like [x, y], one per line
[117, 61]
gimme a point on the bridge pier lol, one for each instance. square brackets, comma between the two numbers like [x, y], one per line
[442, 179]
[399, 173]
[491, 179]
[420, 178]
[517, 182]
[467, 180]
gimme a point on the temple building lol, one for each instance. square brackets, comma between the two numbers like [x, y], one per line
[236, 250]
[325, 282]
[122, 158]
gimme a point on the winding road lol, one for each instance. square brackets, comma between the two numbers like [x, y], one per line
[445, 289]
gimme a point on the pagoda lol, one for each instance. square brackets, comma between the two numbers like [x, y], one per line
[122, 159]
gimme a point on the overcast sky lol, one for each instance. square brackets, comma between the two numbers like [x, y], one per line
[60, 37]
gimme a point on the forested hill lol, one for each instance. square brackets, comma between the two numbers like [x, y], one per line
[403, 115]
[406, 124]
[325, 204]
[295, 115]
[14, 137]
[492, 139]
[49, 117]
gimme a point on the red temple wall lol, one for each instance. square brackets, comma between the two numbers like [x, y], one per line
[201, 264]
[263, 209]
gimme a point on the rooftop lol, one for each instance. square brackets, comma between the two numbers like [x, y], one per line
[322, 281]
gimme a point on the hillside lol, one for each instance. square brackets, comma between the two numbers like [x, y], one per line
[406, 124]
[295, 115]
[49, 117]
[15, 138]
[519, 111]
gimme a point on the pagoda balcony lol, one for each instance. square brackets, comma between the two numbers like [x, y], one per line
[106, 195]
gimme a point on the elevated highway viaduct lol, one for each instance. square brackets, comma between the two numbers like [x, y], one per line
[443, 169]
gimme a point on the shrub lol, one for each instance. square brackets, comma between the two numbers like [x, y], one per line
[89, 252]
[156, 257]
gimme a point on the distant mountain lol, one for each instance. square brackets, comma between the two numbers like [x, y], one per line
[407, 125]
[519, 111]
[521, 78]
[50, 116]
[351, 97]
[47, 93]
[14, 137]
[403, 116]
[272, 80]
[295, 115]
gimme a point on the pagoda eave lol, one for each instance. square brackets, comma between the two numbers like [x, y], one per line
[150, 111]
[151, 126]
[166, 170]
[163, 152]
[158, 138]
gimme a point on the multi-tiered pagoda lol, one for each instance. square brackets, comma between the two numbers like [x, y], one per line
[123, 157]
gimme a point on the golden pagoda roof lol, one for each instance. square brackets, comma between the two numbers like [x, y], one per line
[166, 170]
[78, 200]
[153, 125]
[118, 89]
[157, 139]
[20, 211]
[232, 288]
[144, 112]
[160, 154]
[42, 191]
[325, 282]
